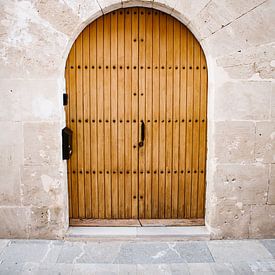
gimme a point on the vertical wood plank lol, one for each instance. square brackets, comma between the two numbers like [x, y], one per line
[80, 128]
[73, 114]
[128, 114]
[100, 114]
[114, 140]
[68, 123]
[169, 116]
[107, 116]
[135, 119]
[142, 86]
[94, 118]
[149, 113]
[196, 113]
[156, 115]
[86, 121]
[176, 120]
[189, 134]
[121, 114]
[162, 132]
[182, 144]
[203, 137]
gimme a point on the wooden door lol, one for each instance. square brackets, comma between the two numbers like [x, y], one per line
[129, 69]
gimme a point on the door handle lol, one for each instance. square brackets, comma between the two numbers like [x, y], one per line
[142, 134]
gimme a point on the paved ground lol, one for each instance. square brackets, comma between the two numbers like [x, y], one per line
[137, 257]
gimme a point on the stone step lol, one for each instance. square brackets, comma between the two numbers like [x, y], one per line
[169, 233]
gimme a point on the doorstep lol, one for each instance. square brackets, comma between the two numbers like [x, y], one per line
[168, 233]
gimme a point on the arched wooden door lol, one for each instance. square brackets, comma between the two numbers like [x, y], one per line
[137, 86]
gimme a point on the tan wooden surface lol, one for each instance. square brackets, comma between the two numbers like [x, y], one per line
[129, 66]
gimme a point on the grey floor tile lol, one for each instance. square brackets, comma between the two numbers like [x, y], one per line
[147, 253]
[3, 244]
[25, 251]
[127, 269]
[262, 266]
[222, 268]
[98, 253]
[237, 251]
[179, 269]
[11, 268]
[153, 269]
[269, 245]
[200, 268]
[102, 269]
[70, 252]
[193, 252]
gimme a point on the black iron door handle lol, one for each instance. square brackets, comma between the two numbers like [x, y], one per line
[142, 134]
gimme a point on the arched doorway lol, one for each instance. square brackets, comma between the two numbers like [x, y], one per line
[137, 85]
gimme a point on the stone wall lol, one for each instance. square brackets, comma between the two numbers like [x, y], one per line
[239, 42]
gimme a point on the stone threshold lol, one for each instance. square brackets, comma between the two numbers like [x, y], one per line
[168, 233]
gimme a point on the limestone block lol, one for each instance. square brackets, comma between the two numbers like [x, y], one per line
[271, 189]
[42, 185]
[58, 14]
[11, 155]
[109, 5]
[11, 133]
[42, 144]
[265, 142]
[47, 222]
[262, 222]
[244, 32]
[85, 9]
[186, 10]
[14, 222]
[243, 101]
[228, 221]
[40, 99]
[10, 186]
[10, 105]
[234, 141]
[137, 3]
[242, 184]
[254, 61]
[219, 13]
[30, 47]
[273, 102]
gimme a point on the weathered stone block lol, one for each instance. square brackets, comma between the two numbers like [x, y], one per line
[29, 46]
[219, 13]
[265, 142]
[11, 133]
[108, 5]
[273, 101]
[262, 222]
[227, 220]
[137, 3]
[11, 155]
[58, 14]
[243, 101]
[271, 189]
[10, 186]
[10, 104]
[242, 184]
[42, 143]
[234, 141]
[255, 61]
[14, 222]
[244, 32]
[185, 10]
[42, 186]
[47, 222]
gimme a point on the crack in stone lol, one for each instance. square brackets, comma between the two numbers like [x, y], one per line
[80, 255]
[240, 16]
